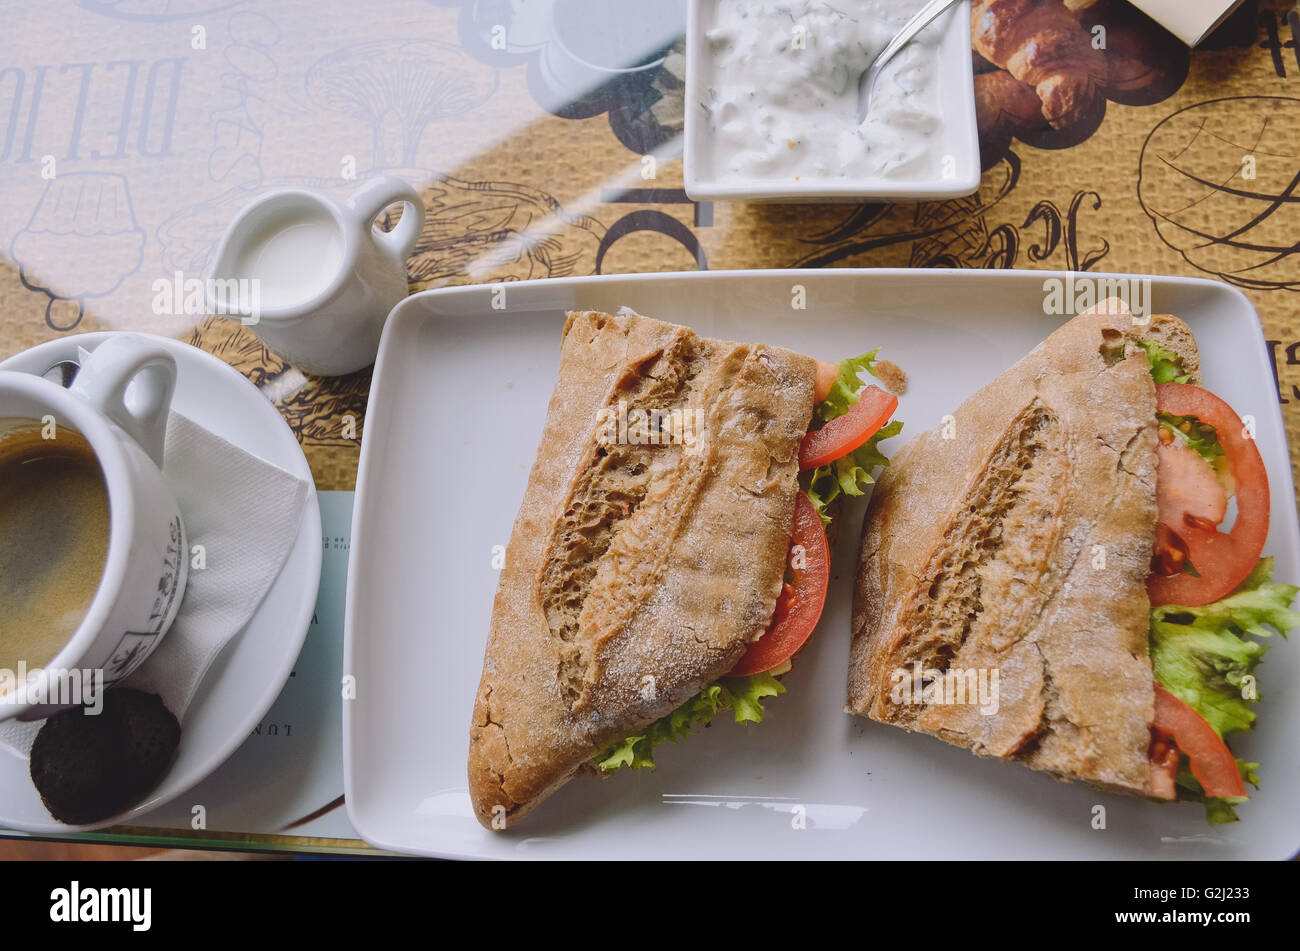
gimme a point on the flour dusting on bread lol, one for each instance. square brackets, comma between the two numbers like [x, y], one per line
[1016, 539]
[640, 566]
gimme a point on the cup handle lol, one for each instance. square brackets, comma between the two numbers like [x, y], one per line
[376, 195]
[103, 379]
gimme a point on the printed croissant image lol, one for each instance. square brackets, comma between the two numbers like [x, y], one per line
[1044, 45]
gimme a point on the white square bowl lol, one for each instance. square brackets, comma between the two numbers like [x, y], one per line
[959, 137]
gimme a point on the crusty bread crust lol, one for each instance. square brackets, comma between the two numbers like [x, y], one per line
[635, 574]
[1018, 538]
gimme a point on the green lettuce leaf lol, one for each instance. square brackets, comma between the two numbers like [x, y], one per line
[844, 392]
[1202, 656]
[1207, 670]
[1166, 366]
[849, 475]
[1259, 575]
[1218, 809]
[1199, 436]
[741, 695]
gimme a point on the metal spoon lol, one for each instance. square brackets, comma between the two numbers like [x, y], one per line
[62, 372]
[867, 81]
[65, 371]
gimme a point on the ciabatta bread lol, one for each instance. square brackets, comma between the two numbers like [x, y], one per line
[1017, 537]
[1172, 334]
[636, 575]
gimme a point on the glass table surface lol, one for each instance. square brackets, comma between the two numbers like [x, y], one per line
[545, 139]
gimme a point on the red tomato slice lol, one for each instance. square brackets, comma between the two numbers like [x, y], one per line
[1170, 553]
[1221, 559]
[799, 607]
[1188, 488]
[845, 433]
[1164, 756]
[827, 374]
[1209, 757]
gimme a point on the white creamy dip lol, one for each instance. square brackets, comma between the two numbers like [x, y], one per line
[781, 99]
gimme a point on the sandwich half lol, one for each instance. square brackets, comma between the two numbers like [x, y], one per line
[1009, 595]
[648, 582]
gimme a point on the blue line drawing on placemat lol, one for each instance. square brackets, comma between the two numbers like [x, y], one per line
[84, 217]
[156, 11]
[399, 87]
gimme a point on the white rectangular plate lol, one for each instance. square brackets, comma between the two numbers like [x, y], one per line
[958, 140]
[456, 411]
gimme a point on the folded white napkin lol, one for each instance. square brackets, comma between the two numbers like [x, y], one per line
[245, 512]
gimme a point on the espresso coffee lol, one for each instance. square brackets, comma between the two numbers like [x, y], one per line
[53, 539]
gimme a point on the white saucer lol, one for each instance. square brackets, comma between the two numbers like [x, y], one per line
[248, 675]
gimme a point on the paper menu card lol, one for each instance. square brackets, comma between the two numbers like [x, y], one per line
[1189, 20]
[287, 777]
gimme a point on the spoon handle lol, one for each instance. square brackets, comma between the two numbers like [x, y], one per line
[922, 19]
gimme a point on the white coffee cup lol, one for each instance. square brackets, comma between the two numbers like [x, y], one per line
[314, 278]
[118, 403]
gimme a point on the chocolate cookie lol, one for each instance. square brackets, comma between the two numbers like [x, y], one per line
[88, 768]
